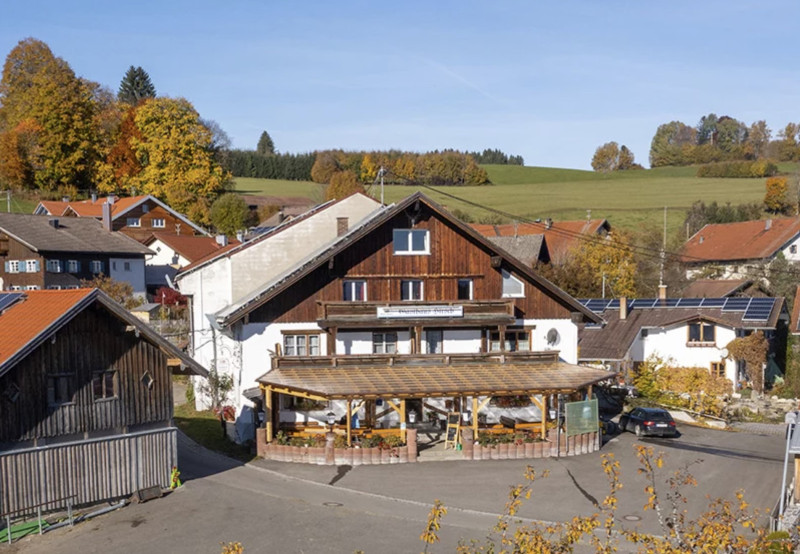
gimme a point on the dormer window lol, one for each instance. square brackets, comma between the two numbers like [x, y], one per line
[512, 287]
[701, 334]
[411, 242]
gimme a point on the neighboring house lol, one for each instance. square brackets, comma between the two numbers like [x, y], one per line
[720, 288]
[560, 237]
[693, 332]
[530, 249]
[40, 252]
[410, 284]
[174, 252]
[733, 250]
[284, 207]
[85, 401]
[136, 216]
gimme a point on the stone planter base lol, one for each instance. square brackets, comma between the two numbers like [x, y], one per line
[572, 446]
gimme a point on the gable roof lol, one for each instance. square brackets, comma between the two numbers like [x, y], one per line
[119, 207]
[530, 249]
[744, 240]
[37, 315]
[715, 288]
[189, 246]
[560, 236]
[612, 341]
[233, 249]
[275, 286]
[70, 235]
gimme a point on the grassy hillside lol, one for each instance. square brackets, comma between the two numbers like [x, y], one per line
[627, 199]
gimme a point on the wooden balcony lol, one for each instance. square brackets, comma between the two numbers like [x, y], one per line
[412, 360]
[467, 313]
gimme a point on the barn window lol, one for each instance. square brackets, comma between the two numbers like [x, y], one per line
[512, 287]
[411, 289]
[59, 389]
[104, 385]
[354, 291]
[11, 393]
[465, 289]
[411, 241]
[147, 380]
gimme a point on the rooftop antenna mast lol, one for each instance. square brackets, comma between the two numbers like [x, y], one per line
[381, 173]
[663, 253]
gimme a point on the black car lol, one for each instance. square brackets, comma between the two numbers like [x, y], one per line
[648, 421]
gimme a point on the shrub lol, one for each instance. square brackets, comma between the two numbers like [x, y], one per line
[738, 169]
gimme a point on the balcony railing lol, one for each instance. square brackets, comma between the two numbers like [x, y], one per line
[383, 314]
[354, 360]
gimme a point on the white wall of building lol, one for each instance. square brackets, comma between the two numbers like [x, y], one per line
[129, 270]
[567, 343]
[165, 263]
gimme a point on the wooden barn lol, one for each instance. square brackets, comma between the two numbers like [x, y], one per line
[85, 400]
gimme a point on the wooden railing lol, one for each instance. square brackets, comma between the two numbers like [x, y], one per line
[485, 308]
[351, 360]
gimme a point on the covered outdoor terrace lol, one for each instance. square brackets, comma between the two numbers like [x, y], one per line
[473, 379]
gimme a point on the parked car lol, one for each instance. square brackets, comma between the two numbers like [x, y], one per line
[648, 421]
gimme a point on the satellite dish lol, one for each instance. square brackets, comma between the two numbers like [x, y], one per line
[553, 338]
[724, 352]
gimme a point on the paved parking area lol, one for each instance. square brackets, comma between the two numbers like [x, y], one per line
[279, 507]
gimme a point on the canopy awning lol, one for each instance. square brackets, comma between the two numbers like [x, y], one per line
[425, 381]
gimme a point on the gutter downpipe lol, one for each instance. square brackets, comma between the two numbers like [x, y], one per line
[790, 430]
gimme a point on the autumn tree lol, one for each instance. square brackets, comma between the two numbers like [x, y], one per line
[178, 165]
[670, 138]
[342, 185]
[121, 291]
[57, 112]
[751, 349]
[265, 145]
[776, 198]
[610, 157]
[135, 86]
[229, 213]
[788, 150]
[758, 138]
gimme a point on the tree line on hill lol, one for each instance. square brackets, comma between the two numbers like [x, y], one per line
[61, 134]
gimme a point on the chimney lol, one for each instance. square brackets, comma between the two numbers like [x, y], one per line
[623, 308]
[701, 239]
[662, 292]
[768, 225]
[240, 236]
[342, 225]
[222, 240]
[94, 198]
[548, 223]
[54, 223]
[281, 216]
[107, 216]
[111, 199]
[65, 198]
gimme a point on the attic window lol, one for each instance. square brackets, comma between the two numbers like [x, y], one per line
[147, 380]
[512, 287]
[411, 241]
[701, 333]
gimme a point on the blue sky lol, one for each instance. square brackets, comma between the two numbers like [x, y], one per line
[548, 80]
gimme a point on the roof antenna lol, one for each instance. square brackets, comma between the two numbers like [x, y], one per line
[661, 285]
[588, 215]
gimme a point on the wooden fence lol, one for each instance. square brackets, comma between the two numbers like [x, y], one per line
[92, 471]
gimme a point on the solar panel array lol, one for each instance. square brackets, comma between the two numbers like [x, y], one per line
[755, 309]
[8, 298]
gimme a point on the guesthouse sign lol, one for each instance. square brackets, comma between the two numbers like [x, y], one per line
[414, 312]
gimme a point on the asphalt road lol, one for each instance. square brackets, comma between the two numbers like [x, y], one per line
[278, 507]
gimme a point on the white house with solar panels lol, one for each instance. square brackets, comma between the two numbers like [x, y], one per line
[693, 332]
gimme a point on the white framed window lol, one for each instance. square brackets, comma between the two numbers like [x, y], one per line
[301, 344]
[96, 266]
[411, 289]
[53, 287]
[31, 266]
[354, 291]
[159, 223]
[516, 340]
[465, 289]
[408, 242]
[12, 266]
[384, 343]
[31, 287]
[73, 266]
[133, 222]
[434, 340]
[15, 287]
[512, 287]
[54, 266]
[701, 333]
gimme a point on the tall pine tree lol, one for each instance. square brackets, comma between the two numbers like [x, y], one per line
[265, 145]
[135, 86]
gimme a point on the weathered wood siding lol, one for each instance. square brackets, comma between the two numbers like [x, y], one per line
[93, 471]
[93, 341]
[146, 229]
[453, 255]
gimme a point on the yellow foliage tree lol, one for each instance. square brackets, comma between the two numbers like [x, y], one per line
[343, 184]
[173, 148]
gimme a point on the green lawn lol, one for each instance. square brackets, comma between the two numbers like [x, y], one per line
[627, 199]
[19, 204]
[205, 429]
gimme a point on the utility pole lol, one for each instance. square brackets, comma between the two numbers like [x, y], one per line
[8, 200]
[663, 253]
[381, 172]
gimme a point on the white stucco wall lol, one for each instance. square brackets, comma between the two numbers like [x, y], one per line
[567, 344]
[165, 263]
[134, 275]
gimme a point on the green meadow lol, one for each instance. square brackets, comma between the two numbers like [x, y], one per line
[628, 199]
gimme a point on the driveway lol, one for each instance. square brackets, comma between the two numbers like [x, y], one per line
[278, 507]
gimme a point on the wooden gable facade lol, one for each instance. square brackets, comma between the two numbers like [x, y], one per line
[85, 403]
[148, 217]
[454, 252]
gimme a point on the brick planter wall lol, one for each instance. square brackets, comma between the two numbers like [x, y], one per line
[575, 446]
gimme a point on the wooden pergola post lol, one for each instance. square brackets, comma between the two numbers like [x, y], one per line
[268, 411]
[475, 418]
[349, 423]
[545, 413]
[403, 420]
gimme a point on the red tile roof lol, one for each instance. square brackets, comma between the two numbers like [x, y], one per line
[560, 236]
[87, 208]
[26, 319]
[54, 207]
[192, 248]
[745, 240]
[715, 288]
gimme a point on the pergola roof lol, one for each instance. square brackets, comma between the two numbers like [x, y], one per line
[424, 381]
